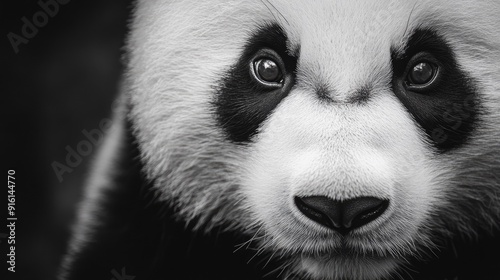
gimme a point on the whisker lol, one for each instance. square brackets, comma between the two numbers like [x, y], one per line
[267, 3]
[409, 17]
[272, 255]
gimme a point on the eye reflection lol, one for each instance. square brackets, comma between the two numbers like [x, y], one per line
[422, 73]
[268, 70]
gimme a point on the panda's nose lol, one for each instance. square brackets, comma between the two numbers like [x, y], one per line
[341, 216]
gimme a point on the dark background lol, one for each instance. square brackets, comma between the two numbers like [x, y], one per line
[61, 82]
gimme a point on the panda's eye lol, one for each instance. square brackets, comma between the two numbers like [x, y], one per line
[267, 68]
[421, 72]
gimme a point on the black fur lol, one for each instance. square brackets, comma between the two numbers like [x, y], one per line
[449, 110]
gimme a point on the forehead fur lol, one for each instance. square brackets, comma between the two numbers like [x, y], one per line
[343, 44]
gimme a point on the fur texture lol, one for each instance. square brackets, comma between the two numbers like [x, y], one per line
[360, 139]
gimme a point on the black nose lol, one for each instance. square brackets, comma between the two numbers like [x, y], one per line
[341, 216]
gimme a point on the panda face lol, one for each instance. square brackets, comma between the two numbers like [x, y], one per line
[343, 135]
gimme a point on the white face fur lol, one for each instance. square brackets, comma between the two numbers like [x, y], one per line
[321, 138]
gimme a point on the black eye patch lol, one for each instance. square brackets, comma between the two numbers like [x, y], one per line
[252, 87]
[440, 96]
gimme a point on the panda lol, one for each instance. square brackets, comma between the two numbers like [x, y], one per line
[302, 140]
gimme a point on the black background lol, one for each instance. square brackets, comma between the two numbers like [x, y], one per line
[59, 83]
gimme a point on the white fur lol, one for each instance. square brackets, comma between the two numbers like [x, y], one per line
[178, 52]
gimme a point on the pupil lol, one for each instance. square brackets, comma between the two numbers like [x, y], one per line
[421, 73]
[268, 70]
